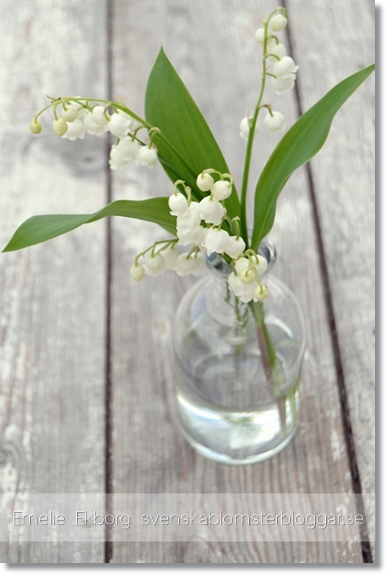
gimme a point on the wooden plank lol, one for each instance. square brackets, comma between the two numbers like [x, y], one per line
[213, 49]
[52, 319]
[343, 183]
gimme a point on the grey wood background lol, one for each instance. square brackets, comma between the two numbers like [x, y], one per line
[86, 385]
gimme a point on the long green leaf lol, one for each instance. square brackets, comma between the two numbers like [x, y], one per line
[170, 107]
[42, 228]
[300, 143]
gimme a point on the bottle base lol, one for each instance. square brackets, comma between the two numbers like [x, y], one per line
[219, 457]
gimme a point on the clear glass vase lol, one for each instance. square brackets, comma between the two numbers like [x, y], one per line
[238, 367]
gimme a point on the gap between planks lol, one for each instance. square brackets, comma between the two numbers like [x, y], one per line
[344, 404]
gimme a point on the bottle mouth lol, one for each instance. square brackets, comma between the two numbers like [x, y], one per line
[266, 249]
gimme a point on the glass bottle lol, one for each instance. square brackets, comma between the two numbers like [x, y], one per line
[238, 366]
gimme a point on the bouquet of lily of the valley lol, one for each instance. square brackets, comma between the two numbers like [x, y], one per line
[205, 212]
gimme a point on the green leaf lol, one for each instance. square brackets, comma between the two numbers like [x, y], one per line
[42, 228]
[300, 143]
[170, 107]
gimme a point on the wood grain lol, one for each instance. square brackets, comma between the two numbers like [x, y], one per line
[211, 46]
[343, 186]
[53, 337]
[52, 318]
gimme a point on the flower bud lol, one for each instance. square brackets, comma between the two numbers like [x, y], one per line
[211, 210]
[261, 292]
[70, 113]
[146, 157]
[275, 122]
[260, 35]
[221, 190]
[247, 276]
[235, 247]
[260, 264]
[178, 204]
[137, 271]
[244, 128]
[59, 126]
[170, 255]
[204, 182]
[278, 23]
[36, 127]
[276, 50]
[216, 241]
[154, 264]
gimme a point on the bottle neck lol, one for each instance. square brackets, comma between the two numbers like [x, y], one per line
[221, 302]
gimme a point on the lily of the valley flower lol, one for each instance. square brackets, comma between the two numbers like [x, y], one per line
[211, 210]
[146, 157]
[278, 23]
[275, 121]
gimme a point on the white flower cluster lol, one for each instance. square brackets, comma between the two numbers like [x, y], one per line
[198, 224]
[283, 75]
[284, 69]
[78, 118]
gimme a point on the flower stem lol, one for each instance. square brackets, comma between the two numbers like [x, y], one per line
[250, 141]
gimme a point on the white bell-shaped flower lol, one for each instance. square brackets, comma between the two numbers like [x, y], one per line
[189, 264]
[244, 128]
[204, 182]
[221, 190]
[275, 121]
[70, 113]
[211, 210]
[98, 115]
[170, 255]
[260, 264]
[283, 85]
[116, 161]
[154, 264]
[278, 50]
[137, 271]
[278, 23]
[216, 241]
[91, 127]
[284, 67]
[146, 157]
[75, 129]
[191, 237]
[260, 36]
[235, 247]
[189, 221]
[241, 265]
[128, 148]
[245, 292]
[178, 204]
[119, 125]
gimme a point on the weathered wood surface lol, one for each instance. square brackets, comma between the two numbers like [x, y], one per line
[56, 294]
[343, 187]
[53, 312]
